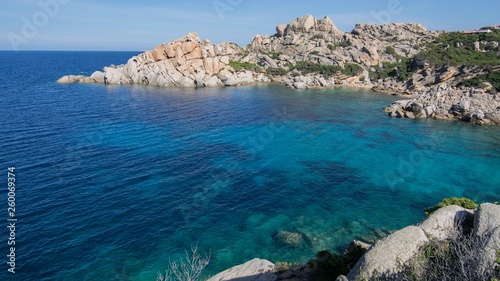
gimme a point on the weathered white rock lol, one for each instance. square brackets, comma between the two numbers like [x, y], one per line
[232, 81]
[300, 85]
[115, 76]
[342, 278]
[388, 254]
[487, 218]
[254, 270]
[307, 24]
[181, 63]
[213, 81]
[489, 253]
[186, 82]
[280, 30]
[70, 79]
[446, 102]
[443, 223]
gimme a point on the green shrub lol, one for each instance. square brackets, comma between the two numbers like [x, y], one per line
[457, 48]
[351, 69]
[238, 66]
[391, 51]
[315, 52]
[331, 47]
[343, 44]
[276, 71]
[462, 202]
[493, 78]
[317, 36]
[401, 70]
[273, 55]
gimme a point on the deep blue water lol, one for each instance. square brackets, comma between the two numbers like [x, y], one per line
[115, 181]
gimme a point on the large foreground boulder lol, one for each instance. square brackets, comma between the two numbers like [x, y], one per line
[443, 223]
[254, 270]
[487, 228]
[388, 254]
[487, 218]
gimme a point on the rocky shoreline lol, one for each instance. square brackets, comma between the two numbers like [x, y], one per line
[314, 53]
[388, 257]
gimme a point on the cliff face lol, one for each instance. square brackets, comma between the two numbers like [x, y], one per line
[314, 53]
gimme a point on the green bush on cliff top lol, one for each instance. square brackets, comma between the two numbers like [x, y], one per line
[493, 78]
[462, 202]
[457, 49]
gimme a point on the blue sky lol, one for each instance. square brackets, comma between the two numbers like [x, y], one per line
[135, 25]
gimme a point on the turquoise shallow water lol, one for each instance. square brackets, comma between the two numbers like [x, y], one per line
[115, 181]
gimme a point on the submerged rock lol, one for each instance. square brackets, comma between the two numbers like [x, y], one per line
[287, 239]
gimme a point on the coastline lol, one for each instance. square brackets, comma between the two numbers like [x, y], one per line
[311, 53]
[401, 254]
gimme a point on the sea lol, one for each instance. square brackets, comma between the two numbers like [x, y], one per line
[116, 182]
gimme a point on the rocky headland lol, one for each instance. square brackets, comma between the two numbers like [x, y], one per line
[443, 75]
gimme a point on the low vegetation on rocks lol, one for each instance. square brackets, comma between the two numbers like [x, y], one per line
[460, 49]
[461, 202]
[327, 265]
[239, 66]
[461, 257]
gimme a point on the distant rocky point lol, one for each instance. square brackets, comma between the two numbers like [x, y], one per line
[314, 53]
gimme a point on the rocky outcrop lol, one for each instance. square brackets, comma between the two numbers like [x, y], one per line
[446, 102]
[388, 254]
[489, 253]
[320, 42]
[308, 24]
[185, 62]
[308, 82]
[254, 270]
[442, 224]
[487, 225]
[487, 218]
[190, 62]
